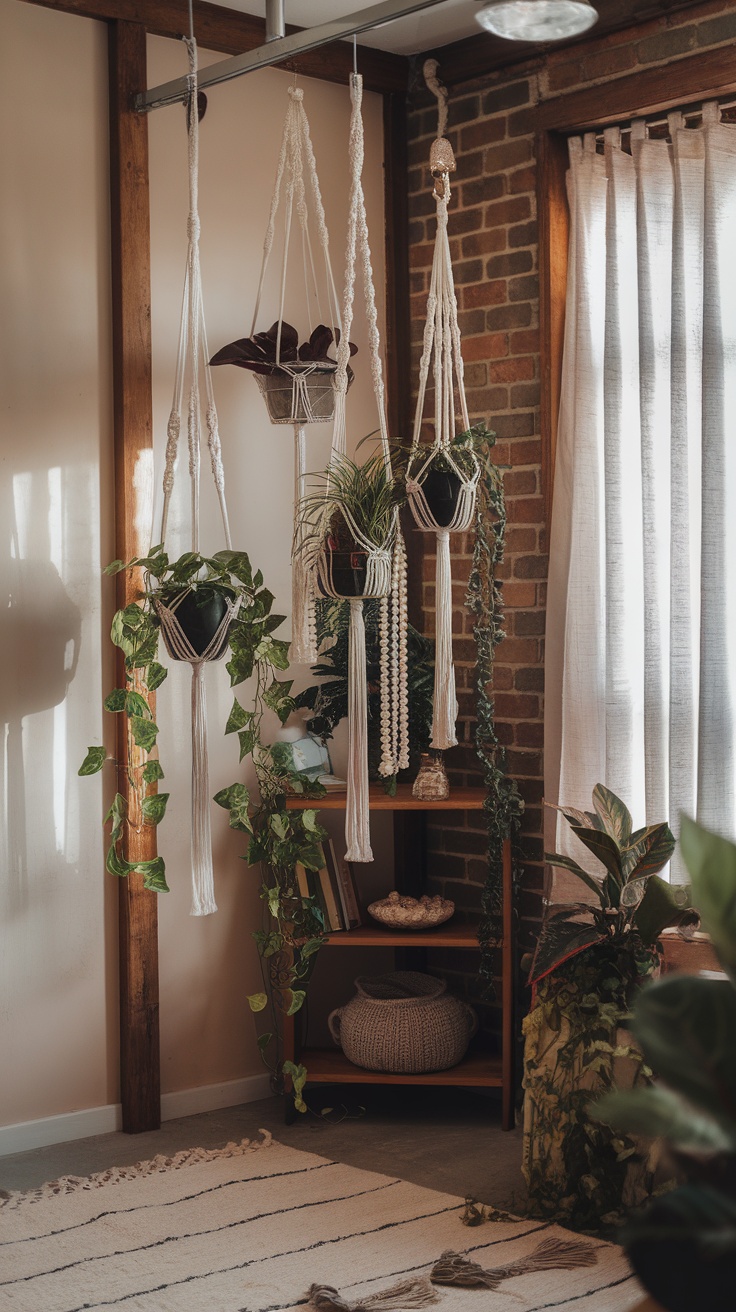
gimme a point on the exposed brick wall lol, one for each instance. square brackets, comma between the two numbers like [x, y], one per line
[493, 238]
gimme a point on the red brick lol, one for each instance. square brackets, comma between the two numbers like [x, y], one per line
[605, 63]
[528, 510]
[480, 348]
[530, 735]
[513, 706]
[519, 539]
[564, 76]
[528, 623]
[510, 210]
[508, 154]
[518, 594]
[522, 180]
[484, 294]
[483, 133]
[522, 342]
[519, 651]
[484, 243]
[529, 680]
[519, 482]
[512, 370]
[476, 374]
[530, 567]
[421, 257]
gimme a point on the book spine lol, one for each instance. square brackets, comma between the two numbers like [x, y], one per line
[333, 919]
[347, 888]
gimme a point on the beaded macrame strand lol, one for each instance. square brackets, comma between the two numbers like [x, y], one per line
[308, 381]
[192, 360]
[386, 564]
[442, 341]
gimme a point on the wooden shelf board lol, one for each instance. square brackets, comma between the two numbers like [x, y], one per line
[460, 799]
[324, 1066]
[374, 936]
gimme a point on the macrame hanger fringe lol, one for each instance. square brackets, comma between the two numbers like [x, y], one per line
[386, 565]
[191, 363]
[441, 343]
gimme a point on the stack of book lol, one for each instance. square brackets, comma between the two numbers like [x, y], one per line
[333, 889]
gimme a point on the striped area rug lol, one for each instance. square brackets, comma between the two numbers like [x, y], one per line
[251, 1227]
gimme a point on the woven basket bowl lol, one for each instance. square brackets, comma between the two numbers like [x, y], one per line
[395, 916]
[403, 1023]
[284, 404]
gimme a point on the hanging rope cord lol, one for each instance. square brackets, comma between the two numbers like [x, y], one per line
[441, 346]
[193, 358]
[386, 563]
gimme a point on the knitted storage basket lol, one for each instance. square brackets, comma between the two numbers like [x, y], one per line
[403, 1023]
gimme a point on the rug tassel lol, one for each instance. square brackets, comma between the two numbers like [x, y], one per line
[454, 1269]
[203, 883]
[406, 1294]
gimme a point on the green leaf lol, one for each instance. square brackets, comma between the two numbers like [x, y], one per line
[711, 861]
[133, 616]
[248, 739]
[263, 1041]
[236, 800]
[661, 908]
[309, 820]
[137, 705]
[298, 1077]
[279, 823]
[390, 783]
[257, 1001]
[309, 948]
[115, 700]
[154, 808]
[660, 1111]
[238, 717]
[296, 1001]
[145, 732]
[114, 567]
[615, 817]
[93, 761]
[649, 850]
[114, 863]
[152, 772]
[154, 875]
[566, 863]
[559, 940]
[274, 901]
[155, 675]
[117, 814]
[603, 847]
[686, 1025]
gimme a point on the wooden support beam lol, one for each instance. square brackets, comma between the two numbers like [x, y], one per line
[140, 1075]
[231, 33]
[554, 232]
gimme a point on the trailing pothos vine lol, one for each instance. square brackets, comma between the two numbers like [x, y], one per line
[503, 807]
[277, 838]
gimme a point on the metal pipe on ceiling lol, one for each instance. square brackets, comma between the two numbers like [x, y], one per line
[280, 48]
[275, 22]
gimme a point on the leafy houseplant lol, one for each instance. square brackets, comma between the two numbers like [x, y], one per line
[296, 380]
[590, 961]
[351, 506]
[683, 1247]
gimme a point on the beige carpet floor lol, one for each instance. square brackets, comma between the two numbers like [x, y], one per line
[249, 1228]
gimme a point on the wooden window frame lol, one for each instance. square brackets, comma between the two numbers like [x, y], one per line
[703, 76]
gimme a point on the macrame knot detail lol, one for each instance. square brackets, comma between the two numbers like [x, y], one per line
[296, 93]
[193, 227]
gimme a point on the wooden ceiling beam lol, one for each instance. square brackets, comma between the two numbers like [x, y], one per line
[232, 33]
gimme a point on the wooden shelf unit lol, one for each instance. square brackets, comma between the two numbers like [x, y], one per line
[478, 1069]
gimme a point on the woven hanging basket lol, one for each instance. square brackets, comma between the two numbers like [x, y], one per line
[300, 397]
[404, 1023]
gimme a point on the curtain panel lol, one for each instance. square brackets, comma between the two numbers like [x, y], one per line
[641, 620]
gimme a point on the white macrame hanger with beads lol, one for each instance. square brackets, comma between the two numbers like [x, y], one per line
[192, 364]
[386, 565]
[310, 400]
[441, 344]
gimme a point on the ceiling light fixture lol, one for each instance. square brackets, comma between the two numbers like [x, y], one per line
[537, 20]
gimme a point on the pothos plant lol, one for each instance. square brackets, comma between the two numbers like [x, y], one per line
[277, 838]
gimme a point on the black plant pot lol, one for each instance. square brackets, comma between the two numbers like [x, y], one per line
[200, 615]
[349, 570]
[676, 1272]
[441, 488]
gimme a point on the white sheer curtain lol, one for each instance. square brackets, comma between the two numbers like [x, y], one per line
[641, 620]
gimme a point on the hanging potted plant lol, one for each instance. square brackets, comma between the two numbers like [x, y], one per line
[295, 380]
[591, 959]
[346, 523]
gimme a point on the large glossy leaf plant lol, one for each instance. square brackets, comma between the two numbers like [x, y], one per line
[631, 905]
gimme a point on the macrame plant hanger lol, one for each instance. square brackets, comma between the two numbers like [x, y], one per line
[311, 399]
[442, 340]
[192, 360]
[386, 565]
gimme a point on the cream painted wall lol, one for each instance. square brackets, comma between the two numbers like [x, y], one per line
[58, 968]
[209, 965]
[58, 990]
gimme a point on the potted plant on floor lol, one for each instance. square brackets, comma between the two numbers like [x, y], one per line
[590, 962]
[683, 1246]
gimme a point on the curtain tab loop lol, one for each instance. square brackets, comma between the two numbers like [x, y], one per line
[675, 121]
[612, 137]
[638, 130]
[589, 143]
[711, 113]
[575, 149]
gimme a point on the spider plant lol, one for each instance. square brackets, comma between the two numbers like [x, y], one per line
[348, 499]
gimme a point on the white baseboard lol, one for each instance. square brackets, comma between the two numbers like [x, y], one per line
[210, 1097]
[25, 1135]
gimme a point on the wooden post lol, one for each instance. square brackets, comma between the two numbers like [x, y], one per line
[507, 994]
[140, 1075]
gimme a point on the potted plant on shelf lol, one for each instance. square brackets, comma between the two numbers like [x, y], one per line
[590, 961]
[347, 518]
[683, 1246]
[296, 381]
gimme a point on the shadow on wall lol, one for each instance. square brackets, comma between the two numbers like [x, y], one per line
[39, 654]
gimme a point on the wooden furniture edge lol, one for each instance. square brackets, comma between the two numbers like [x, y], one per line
[554, 235]
[140, 1078]
[461, 799]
